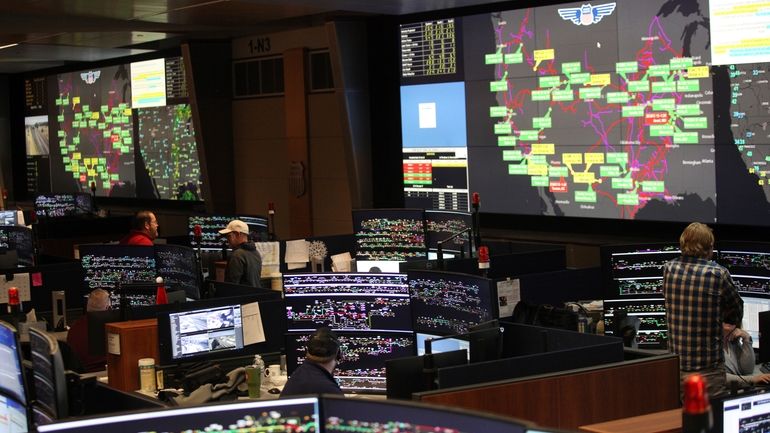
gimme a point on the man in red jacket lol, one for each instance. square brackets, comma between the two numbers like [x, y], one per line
[144, 229]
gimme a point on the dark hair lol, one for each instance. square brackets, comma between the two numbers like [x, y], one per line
[323, 345]
[140, 219]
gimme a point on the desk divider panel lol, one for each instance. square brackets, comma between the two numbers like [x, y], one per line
[569, 399]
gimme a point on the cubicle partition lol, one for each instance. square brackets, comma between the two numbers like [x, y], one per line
[529, 350]
[572, 398]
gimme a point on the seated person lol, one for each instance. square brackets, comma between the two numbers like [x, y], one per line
[314, 376]
[77, 336]
[740, 365]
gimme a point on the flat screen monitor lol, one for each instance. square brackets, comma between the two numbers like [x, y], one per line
[221, 328]
[205, 331]
[13, 416]
[63, 205]
[134, 295]
[97, 334]
[11, 373]
[48, 374]
[565, 110]
[18, 239]
[125, 130]
[445, 303]
[349, 302]
[362, 366]
[11, 218]
[749, 266]
[441, 225]
[178, 265]
[416, 373]
[388, 235]
[210, 225]
[633, 290]
[108, 266]
[443, 345]
[347, 414]
[745, 413]
[299, 414]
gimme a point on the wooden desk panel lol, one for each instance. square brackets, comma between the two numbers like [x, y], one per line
[669, 421]
[573, 399]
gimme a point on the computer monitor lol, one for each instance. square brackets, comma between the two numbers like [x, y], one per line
[445, 303]
[347, 301]
[443, 345]
[134, 295]
[13, 416]
[179, 267]
[298, 414]
[97, 335]
[18, 239]
[48, 374]
[744, 413]
[108, 266]
[633, 291]
[441, 225]
[343, 415]
[211, 329]
[749, 266]
[405, 376]
[210, 225]
[385, 236]
[11, 218]
[362, 366]
[63, 205]
[11, 372]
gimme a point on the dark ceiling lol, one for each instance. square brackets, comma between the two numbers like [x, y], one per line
[51, 33]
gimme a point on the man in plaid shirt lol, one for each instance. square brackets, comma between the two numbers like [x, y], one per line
[698, 295]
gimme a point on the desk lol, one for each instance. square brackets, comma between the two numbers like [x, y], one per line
[669, 421]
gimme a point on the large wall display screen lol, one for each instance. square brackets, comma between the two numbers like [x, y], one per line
[125, 130]
[602, 109]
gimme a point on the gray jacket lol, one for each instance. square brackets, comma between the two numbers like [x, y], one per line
[244, 266]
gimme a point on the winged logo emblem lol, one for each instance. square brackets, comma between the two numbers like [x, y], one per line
[90, 77]
[586, 15]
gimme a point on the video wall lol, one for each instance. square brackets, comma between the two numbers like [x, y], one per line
[652, 110]
[124, 130]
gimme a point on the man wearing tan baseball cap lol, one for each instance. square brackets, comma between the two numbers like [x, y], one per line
[245, 264]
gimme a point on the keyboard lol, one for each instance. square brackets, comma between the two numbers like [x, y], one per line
[765, 367]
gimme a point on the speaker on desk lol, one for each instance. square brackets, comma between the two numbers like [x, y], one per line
[59, 308]
[764, 336]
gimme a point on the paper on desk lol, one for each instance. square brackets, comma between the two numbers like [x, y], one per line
[341, 262]
[508, 295]
[297, 253]
[253, 332]
[271, 255]
[20, 281]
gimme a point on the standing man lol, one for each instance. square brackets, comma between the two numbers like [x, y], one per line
[315, 376]
[699, 295]
[245, 264]
[144, 229]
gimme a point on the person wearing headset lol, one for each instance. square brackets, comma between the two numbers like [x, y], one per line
[315, 375]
